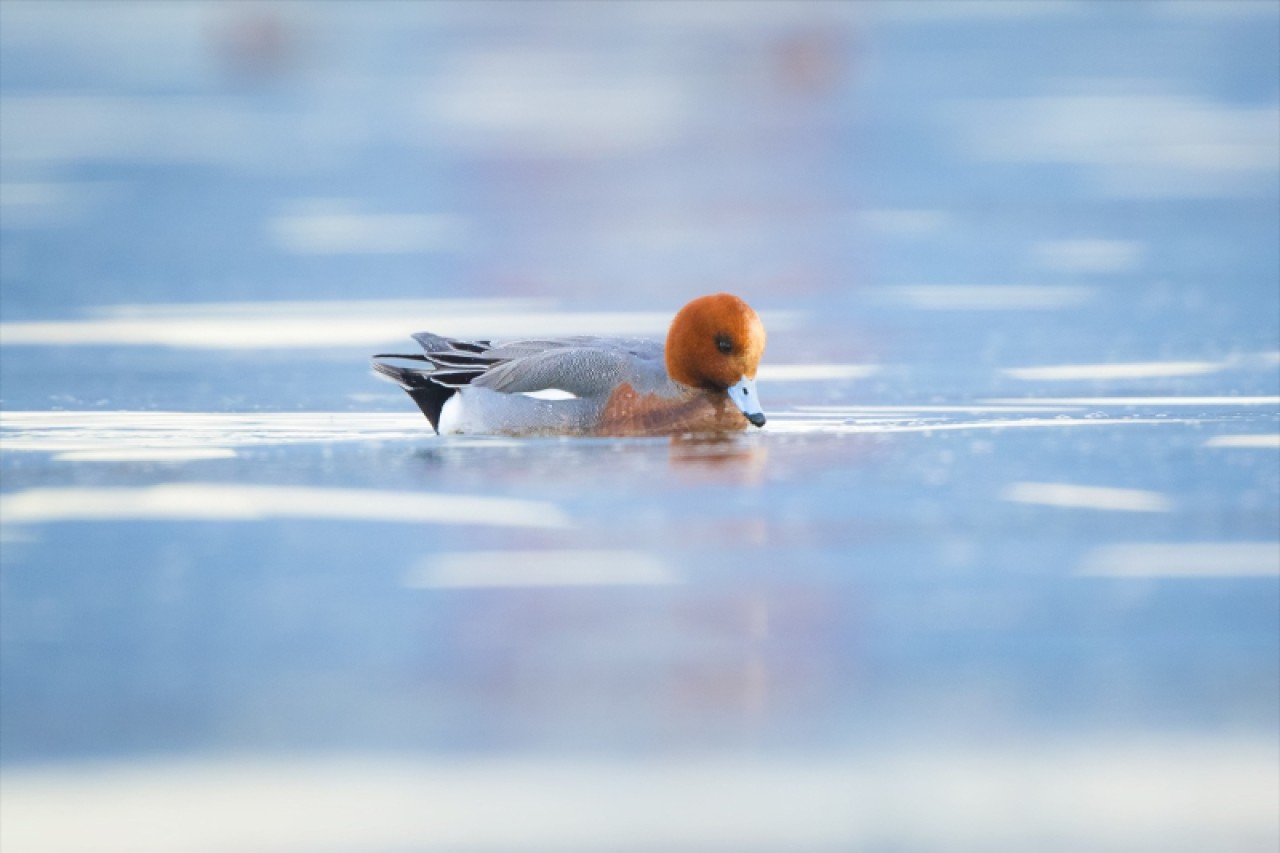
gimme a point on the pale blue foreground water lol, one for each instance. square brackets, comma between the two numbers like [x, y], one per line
[1002, 571]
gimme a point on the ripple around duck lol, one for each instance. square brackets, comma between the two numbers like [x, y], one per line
[104, 436]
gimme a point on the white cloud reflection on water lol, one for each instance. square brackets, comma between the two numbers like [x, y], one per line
[51, 204]
[1183, 560]
[1264, 361]
[987, 297]
[339, 231]
[1259, 441]
[245, 502]
[1084, 256]
[1137, 370]
[1073, 495]
[546, 568]
[146, 454]
[341, 323]
[1172, 793]
[1133, 140]
[815, 372]
[1128, 401]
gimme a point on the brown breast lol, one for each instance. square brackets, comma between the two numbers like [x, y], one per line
[632, 413]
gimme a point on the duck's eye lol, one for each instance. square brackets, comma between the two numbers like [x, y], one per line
[724, 344]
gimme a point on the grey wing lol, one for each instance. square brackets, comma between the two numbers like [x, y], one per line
[582, 366]
[642, 347]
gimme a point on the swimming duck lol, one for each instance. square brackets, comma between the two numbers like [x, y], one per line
[701, 380]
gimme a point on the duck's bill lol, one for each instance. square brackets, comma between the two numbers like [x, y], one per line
[744, 396]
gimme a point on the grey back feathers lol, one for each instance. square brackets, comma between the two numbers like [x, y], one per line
[582, 365]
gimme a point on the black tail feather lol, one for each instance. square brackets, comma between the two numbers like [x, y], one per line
[429, 396]
[456, 360]
[407, 357]
[453, 364]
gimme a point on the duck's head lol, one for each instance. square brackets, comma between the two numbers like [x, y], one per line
[715, 344]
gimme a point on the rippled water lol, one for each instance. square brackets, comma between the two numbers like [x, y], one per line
[1001, 572]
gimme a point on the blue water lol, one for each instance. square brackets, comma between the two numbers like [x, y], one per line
[1002, 572]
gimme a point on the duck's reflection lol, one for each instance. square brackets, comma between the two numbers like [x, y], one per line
[654, 664]
[720, 457]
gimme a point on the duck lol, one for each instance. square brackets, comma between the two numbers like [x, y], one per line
[702, 379]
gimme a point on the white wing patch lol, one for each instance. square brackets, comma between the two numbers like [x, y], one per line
[551, 394]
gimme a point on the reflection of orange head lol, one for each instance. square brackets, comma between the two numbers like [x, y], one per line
[255, 43]
[714, 342]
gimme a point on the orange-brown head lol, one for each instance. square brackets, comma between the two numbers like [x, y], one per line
[714, 344]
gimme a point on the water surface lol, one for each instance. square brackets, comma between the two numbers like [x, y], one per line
[1001, 572]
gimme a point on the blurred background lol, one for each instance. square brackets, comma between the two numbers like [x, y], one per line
[1002, 572]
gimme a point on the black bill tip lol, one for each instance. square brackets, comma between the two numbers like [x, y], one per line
[756, 418]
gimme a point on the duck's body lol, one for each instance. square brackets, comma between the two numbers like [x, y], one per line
[702, 380]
